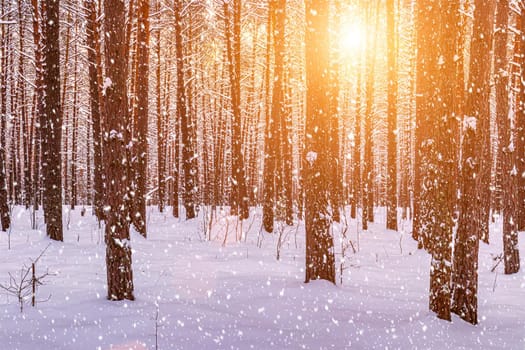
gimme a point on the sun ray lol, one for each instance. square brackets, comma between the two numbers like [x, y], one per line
[352, 38]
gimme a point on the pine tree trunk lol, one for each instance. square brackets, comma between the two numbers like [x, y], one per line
[520, 127]
[471, 221]
[239, 199]
[356, 193]
[391, 215]
[287, 154]
[74, 140]
[118, 249]
[161, 130]
[14, 156]
[250, 127]
[270, 132]
[39, 105]
[191, 109]
[460, 96]
[427, 15]
[95, 98]
[141, 131]
[129, 26]
[320, 261]
[187, 128]
[506, 138]
[88, 189]
[368, 161]
[176, 166]
[336, 184]
[218, 143]
[25, 159]
[274, 142]
[443, 161]
[483, 103]
[5, 219]
[52, 124]
[161, 139]
[65, 112]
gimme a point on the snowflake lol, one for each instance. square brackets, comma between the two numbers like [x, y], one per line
[107, 84]
[311, 157]
[470, 123]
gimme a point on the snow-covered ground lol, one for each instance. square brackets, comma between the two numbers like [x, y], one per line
[197, 294]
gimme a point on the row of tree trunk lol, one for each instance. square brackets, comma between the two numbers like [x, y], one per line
[445, 111]
[448, 110]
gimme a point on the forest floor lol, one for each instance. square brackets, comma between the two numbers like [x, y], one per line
[193, 293]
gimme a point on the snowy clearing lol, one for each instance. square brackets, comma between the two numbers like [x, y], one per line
[240, 297]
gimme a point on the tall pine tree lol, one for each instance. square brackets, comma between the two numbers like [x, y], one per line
[320, 261]
[118, 249]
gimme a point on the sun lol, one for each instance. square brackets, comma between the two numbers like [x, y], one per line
[352, 38]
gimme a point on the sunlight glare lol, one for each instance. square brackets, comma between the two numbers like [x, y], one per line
[352, 38]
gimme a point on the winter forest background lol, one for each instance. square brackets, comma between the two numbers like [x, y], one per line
[172, 172]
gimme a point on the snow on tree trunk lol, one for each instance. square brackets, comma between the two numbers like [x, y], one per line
[141, 118]
[118, 249]
[95, 98]
[187, 133]
[520, 126]
[320, 261]
[5, 219]
[472, 220]
[52, 123]
[506, 140]
[443, 161]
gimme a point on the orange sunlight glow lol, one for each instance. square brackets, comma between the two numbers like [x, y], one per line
[352, 38]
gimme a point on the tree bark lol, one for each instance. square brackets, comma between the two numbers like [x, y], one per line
[356, 193]
[26, 149]
[5, 218]
[39, 105]
[320, 261]
[239, 198]
[442, 162]
[471, 220]
[427, 16]
[273, 175]
[141, 129]
[270, 127]
[96, 105]
[118, 249]
[161, 127]
[74, 132]
[336, 193]
[506, 137]
[520, 128]
[65, 110]
[368, 160]
[52, 124]
[391, 215]
[187, 128]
